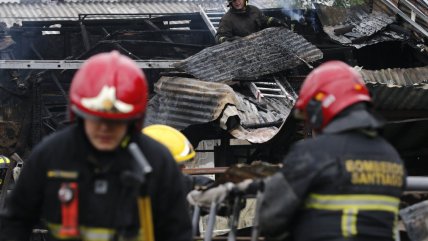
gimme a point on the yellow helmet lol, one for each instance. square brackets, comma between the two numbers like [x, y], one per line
[4, 165]
[174, 140]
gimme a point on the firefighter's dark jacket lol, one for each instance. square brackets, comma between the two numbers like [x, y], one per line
[67, 156]
[238, 23]
[344, 184]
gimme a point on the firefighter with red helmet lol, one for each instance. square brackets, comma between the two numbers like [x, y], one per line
[243, 19]
[343, 184]
[346, 182]
[84, 183]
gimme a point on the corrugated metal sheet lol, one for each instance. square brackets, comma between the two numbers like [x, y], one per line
[399, 89]
[181, 102]
[356, 26]
[11, 13]
[106, 1]
[268, 51]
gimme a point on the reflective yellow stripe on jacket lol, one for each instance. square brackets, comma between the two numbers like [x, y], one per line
[91, 234]
[350, 205]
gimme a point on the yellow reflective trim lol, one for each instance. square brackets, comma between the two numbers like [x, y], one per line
[62, 174]
[350, 205]
[96, 234]
[360, 207]
[343, 224]
[349, 222]
[344, 197]
[86, 233]
[93, 234]
[361, 202]
[269, 20]
[4, 159]
[146, 219]
[354, 222]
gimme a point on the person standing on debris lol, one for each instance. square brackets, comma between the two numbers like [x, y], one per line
[346, 182]
[91, 180]
[181, 149]
[242, 20]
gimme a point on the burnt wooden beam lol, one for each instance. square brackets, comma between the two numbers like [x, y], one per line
[343, 30]
[85, 36]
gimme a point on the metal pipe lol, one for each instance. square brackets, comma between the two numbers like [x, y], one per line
[204, 171]
[211, 222]
[255, 232]
[195, 220]
[415, 183]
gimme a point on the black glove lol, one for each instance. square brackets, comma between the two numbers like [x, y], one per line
[274, 22]
[232, 38]
[228, 39]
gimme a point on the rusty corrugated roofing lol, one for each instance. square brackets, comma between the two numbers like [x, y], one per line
[268, 51]
[398, 89]
[181, 102]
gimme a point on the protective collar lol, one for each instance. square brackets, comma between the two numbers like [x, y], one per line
[356, 119]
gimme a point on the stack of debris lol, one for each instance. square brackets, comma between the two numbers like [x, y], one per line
[357, 26]
[181, 102]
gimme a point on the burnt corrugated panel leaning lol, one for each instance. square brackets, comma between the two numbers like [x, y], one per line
[181, 102]
[398, 89]
[268, 51]
[356, 26]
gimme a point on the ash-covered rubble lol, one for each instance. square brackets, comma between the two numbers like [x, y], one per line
[181, 102]
[265, 52]
[208, 98]
[357, 26]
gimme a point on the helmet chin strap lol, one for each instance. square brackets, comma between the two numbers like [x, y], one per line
[315, 117]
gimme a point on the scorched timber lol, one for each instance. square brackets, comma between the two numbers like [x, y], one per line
[265, 52]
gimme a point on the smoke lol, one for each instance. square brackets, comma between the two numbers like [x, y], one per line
[295, 10]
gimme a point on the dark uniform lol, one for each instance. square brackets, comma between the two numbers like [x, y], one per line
[240, 23]
[108, 209]
[344, 184]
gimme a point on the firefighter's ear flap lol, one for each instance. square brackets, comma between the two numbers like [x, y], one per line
[314, 112]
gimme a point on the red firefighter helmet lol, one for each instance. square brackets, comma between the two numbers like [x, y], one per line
[109, 86]
[327, 90]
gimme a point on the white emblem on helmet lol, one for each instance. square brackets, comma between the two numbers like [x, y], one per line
[106, 101]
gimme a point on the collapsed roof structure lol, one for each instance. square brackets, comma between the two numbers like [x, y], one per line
[194, 87]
